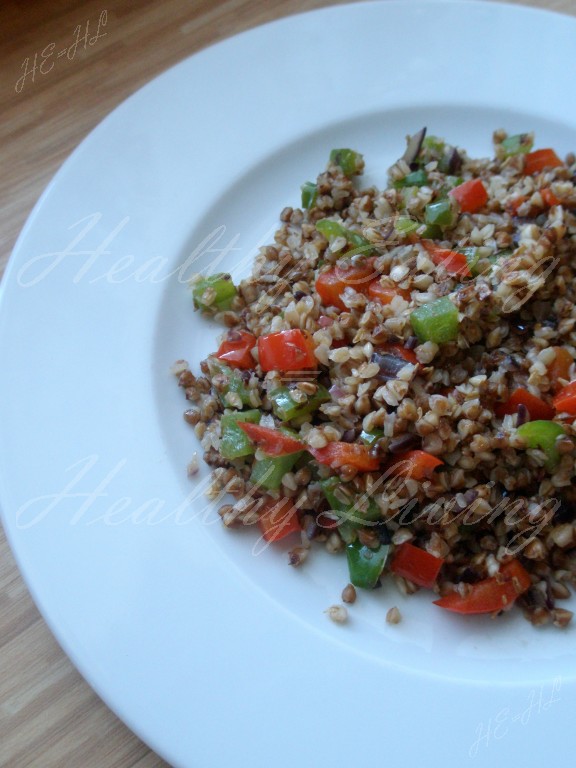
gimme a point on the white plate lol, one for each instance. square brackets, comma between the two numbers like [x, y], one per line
[213, 653]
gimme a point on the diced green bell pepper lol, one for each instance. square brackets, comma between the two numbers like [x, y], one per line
[268, 472]
[370, 437]
[286, 409]
[414, 179]
[480, 260]
[330, 228]
[358, 511]
[235, 382]
[543, 434]
[365, 565]
[214, 292]
[434, 145]
[309, 194]
[518, 144]
[351, 162]
[440, 213]
[472, 256]
[234, 442]
[432, 232]
[405, 226]
[436, 321]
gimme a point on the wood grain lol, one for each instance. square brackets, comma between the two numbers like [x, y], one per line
[49, 717]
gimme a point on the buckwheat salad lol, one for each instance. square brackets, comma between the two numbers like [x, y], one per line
[396, 381]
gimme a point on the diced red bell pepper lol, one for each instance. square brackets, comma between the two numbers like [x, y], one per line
[336, 454]
[471, 195]
[385, 294]
[277, 518]
[416, 565]
[417, 465]
[537, 161]
[236, 350]
[330, 283]
[549, 198]
[565, 400]
[271, 441]
[537, 408]
[453, 262]
[490, 595]
[513, 205]
[329, 286]
[559, 368]
[397, 349]
[291, 350]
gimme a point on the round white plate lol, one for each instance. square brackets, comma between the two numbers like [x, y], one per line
[212, 649]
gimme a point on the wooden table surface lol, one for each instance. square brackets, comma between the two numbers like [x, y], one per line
[49, 717]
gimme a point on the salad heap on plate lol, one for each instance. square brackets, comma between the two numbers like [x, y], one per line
[397, 378]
